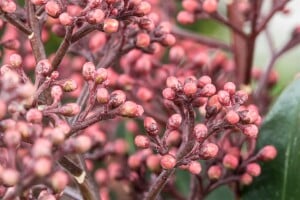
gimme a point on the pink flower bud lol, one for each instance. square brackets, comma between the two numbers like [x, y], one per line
[173, 138]
[177, 53]
[43, 67]
[95, 16]
[8, 6]
[102, 96]
[208, 90]
[56, 92]
[184, 17]
[10, 177]
[246, 179]
[42, 166]
[253, 169]
[251, 131]
[57, 136]
[249, 116]
[241, 96]
[209, 150]
[230, 161]
[143, 40]
[41, 148]
[232, 117]
[52, 8]
[15, 60]
[151, 126]
[169, 40]
[210, 6]
[88, 71]
[69, 86]
[153, 162]
[12, 138]
[224, 97]
[70, 109]
[168, 93]
[110, 25]
[130, 109]
[101, 75]
[204, 80]
[59, 181]
[190, 5]
[117, 98]
[267, 153]
[144, 94]
[3, 109]
[168, 161]
[38, 2]
[190, 88]
[82, 144]
[101, 177]
[173, 83]
[144, 8]
[200, 132]
[195, 167]
[66, 19]
[214, 172]
[135, 161]
[142, 141]
[121, 147]
[230, 87]
[213, 105]
[34, 116]
[174, 121]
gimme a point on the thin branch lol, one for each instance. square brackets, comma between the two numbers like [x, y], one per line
[12, 19]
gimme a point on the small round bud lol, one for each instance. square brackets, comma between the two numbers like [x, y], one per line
[41, 148]
[59, 181]
[120, 147]
[42, 167]
[203, 80]
[246, 179]
[184, 17]
[190, 88]
[208, 90]
[143, 40]
[173, 82]
[101, 176]
[135, 161]
[250, 131]
[200, 132]
[253, 169]
[95, 16]
[38, 2]
[52, 8]
[56, 92]
[153, 162]
[249, 116]
[224, 97]
[210, 6]
[117, 98]
[174, 121]
[8, 6]
[209, 150]
[10, 177]
[12, 138]
[70, 109]
[241, 97]
[195, 167]
[65, 19]
[82, 144]
[169, 40]
[129, 109]
[214, 172]
[213, 105]
[230, 87]
[110, 25]
[176, 53]
[151, 126]
[43, 67]
[69, 86]
[142, 141]
[232, 117]
[190, 5]
[101, 75]
[230, 161]
[168, 93]
[168, 161]
[267, 153]
[34, 116]
[15, 60]
[144, 8]
[102, 95]
[88, 71]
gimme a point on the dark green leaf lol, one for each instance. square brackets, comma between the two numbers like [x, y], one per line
[222, 192]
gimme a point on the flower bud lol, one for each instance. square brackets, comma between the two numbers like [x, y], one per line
[57, 136]
[144, 94]
[230, 87]
[65, 19]
[246, 179]
[151, 126]
[101, 75]
[59, 181]
[213, 105]
[15, 60]
[70, 109]
[209, 150]
[210, 6]
[176, 53]
[10, 177]
[43, 67]
[174, 121]
[41, 148]
[135, 161]
[142, 141]
[230, 161]
[232, 117]
[173, 82]
[214, 172]
[34, 116]
[82, 144]
[168, 93]
[95, 16]
[101, 177]
[110, 25]
[42, 166]
[195, 167]
[69, 86]
[249, 116]
[12, 138]
[203, 80]
[190, 5]
[52, 8]
[184, 17]
[200, 132]
[102, 95]
[117, 98]
[208, 90]
[143, 40]
[168, 161]
[241, 97]
[190, 88]
[3, 109]
[250, 131]
[224, 97]
[56, 92]
[120, 147]
[253, 169]
[130, 109]
[267, 153]
[153, 162]
[88, 71]
[168, 40]
[8, 6]
[38, 2]
[144, 8]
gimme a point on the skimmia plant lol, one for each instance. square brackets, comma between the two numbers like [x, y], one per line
[129, 96]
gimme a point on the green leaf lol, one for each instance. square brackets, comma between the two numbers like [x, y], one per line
[222, 192]
[280, 179]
